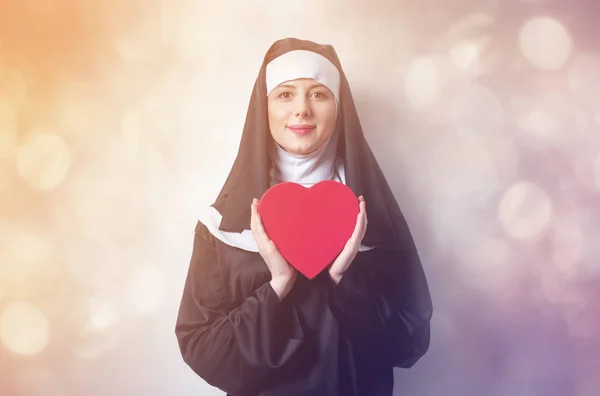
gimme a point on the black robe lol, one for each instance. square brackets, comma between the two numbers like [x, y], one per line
[321, 339]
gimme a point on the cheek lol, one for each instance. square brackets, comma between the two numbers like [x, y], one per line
[274, 120]
[277, 116]
[327, 117]
[277, 121]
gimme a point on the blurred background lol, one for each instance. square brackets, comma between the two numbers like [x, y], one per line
[119, 121]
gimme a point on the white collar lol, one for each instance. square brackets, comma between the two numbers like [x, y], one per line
[244, 240]
[305, 170]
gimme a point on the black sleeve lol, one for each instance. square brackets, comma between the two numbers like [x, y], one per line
[231, 348]
[383, 303]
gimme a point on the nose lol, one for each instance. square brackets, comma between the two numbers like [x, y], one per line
[302, 108]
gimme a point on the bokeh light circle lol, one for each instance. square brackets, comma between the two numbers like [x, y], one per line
[24, 329]
[103, 313]
[525, 210]
[43, 160]
[545, 43]
[25, 255]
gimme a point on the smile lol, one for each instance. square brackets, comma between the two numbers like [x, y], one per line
[301, 129]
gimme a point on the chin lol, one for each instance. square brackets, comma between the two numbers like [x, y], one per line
[303, 148]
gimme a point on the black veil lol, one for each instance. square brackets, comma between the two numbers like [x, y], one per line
[249, 176]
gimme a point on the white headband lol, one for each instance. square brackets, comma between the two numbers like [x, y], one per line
[303, 64]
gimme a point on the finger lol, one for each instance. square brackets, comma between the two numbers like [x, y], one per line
[253, 223]
[252, 216]
[365, 223]
[362, 210]
[260, 230]
[262, 241]
[361, 225]
[358, 227]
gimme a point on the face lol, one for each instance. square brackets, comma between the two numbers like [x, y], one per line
[302, 115]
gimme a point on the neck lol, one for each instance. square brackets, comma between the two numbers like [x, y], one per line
[305, 170]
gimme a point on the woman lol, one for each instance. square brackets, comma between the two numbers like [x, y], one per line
[249, 323]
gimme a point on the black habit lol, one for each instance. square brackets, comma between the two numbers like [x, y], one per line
[322, 338]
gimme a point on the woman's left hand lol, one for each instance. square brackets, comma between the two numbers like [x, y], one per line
[343, 260]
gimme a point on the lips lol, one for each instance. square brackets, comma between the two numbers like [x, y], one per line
[301, 129]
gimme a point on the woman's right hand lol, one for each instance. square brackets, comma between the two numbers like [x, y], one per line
[283, 275]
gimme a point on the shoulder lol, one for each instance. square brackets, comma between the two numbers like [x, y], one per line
[203, 233]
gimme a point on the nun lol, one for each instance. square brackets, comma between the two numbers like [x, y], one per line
[249, 324]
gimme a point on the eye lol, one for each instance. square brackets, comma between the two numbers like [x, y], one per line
[319, 95]
[284, 95]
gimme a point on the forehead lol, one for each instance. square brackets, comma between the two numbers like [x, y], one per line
[300, 83]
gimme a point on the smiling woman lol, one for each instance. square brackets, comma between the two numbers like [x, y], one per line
[249, 323]
[301, 115]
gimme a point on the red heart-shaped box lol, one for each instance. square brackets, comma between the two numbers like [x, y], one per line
[309, 226]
